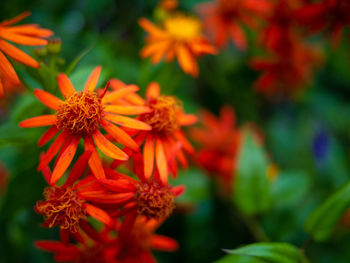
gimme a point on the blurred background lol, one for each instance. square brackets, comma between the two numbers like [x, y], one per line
[307, 137]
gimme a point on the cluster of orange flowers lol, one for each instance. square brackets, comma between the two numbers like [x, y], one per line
[130, 196]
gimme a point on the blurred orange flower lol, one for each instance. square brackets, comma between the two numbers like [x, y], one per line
[81, 115]
[179, 36]
[224, 19]
[219, 141]
[30, 35]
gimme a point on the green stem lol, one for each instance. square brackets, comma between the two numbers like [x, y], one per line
[255, 228]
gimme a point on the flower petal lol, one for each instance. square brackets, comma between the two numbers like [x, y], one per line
[7, 70]
[115, 95]
[91, 83]
[52, 151]
[43, 120]
[65, 85]
[65, 160]
[108, 148]
[153, 90]
[78, 168]
[95, 161]
[48, 99]
[48, 135]
[186, 60]
[127, 109]
[148, 156]
[161, 162]
[18, 54]
[99, 214]
[128, 122]
[119, 135]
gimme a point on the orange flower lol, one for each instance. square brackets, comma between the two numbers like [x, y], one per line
[146, 197]
[64, 205]
[179, 36]
[81, 115]
[224, 19]
[219, 140]
[30, 35]
[136, 239]
[163, 144]
[287, 75]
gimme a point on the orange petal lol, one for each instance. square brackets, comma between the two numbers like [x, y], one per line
[78, 168]
[52, 151]
[120, 185]
[65, 85]
[91, 83]
[126, 109]
[186, 60]
[161, 162]
[43, 120]
[22, 39]
[153, 90]
[1, 89]
[7, 70]
[47, 136]
[102, 197]
[182, 138]
[107, 147]
[128, 122]
[18, 54]
[48, 99]
[148, 156]
[163, 243]
[15, 19]
[65, 160]
[187, 119]
[119, 135]
[99, 214]
[32, 30]
[95, 161]
[115, 95]
[151, 28]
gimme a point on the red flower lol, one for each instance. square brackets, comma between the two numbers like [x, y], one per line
[65, 206]
[224, 19]
[287, 74]
[82, 115]
[146, 196]
[136, 240]
[328, 14]
[219, 142]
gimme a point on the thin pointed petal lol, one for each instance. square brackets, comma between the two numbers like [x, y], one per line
[148, 156]
[128, 122]
[91, 83]
[99, 214]
[161, 162]
[107, 147]
[43, 120]
[65, 85]
[48, 99]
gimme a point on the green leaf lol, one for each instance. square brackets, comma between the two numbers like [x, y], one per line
[323, 219]
[265, 253]
[290, 188]
[252, 187]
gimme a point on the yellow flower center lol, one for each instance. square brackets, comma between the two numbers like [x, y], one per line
[80, 113]
[62, 207]
[154, 201]
[163, 117]
[183, 27]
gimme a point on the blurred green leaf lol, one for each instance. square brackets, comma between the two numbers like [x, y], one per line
[252, 189]
[290, 187]
[77, 59]
[266, 253]
[323, 219]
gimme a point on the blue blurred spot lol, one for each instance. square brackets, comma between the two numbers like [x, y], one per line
[321, 146]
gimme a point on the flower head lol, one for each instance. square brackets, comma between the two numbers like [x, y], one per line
[164, 143]
[224, 19]
[65, 206]
[30, 35]
[179, 36]
[82, 115]
[219, 142]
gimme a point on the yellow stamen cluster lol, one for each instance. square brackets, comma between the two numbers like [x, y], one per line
[62, 207]
[154, 201]
[182, 27]
[80, 113]
[163, 118]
